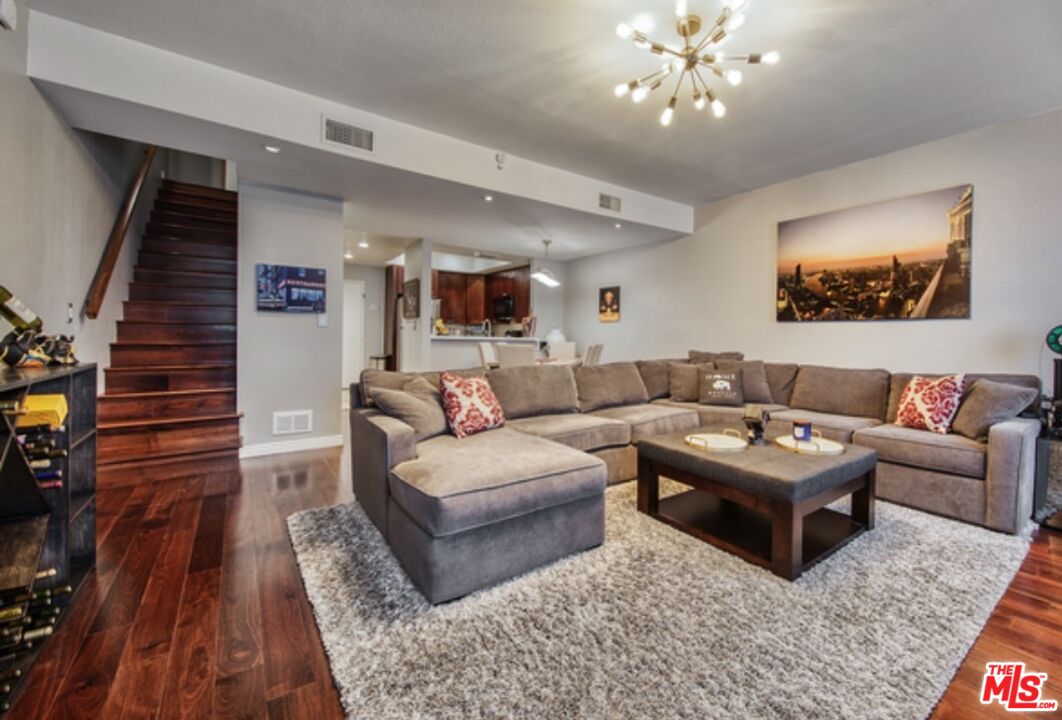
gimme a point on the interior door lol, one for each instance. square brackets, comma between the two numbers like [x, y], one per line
[353, 333]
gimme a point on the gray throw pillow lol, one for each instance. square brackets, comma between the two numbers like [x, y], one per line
[721, 388]
[418, 405]
[754, 383]
[989, 403]
[684, 381]
[700, 357]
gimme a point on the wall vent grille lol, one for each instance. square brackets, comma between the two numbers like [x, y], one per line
[292, 422]
[609, 202]
[347, 135]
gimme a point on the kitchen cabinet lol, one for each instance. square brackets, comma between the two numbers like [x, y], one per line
[475, 299]
[515, 282]
[453, 297]
[435, 290]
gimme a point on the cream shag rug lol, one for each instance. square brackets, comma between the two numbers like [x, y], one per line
[657, 624]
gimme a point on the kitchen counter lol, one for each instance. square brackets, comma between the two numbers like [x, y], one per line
[482, 338]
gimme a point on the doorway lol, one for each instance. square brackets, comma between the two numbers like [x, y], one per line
[353, 335]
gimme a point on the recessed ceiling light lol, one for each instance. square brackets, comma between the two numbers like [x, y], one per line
[363, 244]
[271, 149]
[618, 225]
[349, 255]
[488, 198]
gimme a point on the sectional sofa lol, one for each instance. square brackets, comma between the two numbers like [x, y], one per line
[465, 514]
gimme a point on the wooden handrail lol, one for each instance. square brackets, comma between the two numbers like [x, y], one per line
[98, 289]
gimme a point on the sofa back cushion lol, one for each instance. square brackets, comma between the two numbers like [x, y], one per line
[535, 390]
[700, 357]
[656, 375]
[685, 381]
[418, 404]
[372, 380]
[899, 381]
[988, 403]
[754, 385]
[781, 377]
[603, 386]
[841, 391]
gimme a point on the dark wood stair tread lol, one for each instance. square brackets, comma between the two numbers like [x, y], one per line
[172, 368]
[170, 455]
[150, 422]
[166, 393]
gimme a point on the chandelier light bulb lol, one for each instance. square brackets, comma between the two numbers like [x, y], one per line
[669, 112]
[621, 89]
[771, 58]
[734, 77]
[736, 5]
[718, 108]
[698, 101]
[625, 31]
[677, 65]
[682, 8]
[640, 93]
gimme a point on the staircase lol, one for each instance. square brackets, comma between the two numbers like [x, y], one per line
[170, 401]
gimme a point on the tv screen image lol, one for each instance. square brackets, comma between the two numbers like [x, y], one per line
[282, 288]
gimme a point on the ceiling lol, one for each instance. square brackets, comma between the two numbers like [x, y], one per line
[534, 78]
[381, 250]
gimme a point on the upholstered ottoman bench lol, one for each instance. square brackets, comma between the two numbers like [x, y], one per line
[469, 513]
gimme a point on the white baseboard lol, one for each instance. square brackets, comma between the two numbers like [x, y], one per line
[291, 446]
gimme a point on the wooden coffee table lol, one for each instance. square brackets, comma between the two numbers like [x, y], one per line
[764, 504]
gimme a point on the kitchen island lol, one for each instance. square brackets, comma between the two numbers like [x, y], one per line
[451, 352]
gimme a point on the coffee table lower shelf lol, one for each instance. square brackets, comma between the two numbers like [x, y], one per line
[747, 533]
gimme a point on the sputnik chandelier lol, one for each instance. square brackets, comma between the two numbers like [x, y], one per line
[692, 58]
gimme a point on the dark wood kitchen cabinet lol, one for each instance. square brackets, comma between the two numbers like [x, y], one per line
[516, 282]
[475, 299]
[453, 297]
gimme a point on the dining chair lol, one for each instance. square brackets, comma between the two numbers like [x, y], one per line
[488, 358]
[592, 356]
[562, 351]
[515, 355]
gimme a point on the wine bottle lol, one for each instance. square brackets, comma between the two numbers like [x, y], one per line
[42, 574]
[15, 312]
[28, 432]
[11, 613]
[50, 485]
[11, 674]
[49, 475]
[39, 444]
[46, 454]
[37, 633]
[11, 407]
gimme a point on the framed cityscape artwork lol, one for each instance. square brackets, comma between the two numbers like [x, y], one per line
[608, 304]
[282, 288]
[905, 259]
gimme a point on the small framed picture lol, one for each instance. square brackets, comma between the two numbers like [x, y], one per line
[608, 304]
[411, 299]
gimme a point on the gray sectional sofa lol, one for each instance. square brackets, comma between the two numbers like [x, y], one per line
[465, 514]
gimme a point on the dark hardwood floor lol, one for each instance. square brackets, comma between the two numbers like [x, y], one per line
[197, 609]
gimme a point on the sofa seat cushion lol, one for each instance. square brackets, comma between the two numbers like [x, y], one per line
[833, 427]
[579, 431]
[655, 419]
[455, 485]
[719, 414]
[924, 449]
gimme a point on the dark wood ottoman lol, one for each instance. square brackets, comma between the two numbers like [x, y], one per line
[765, 505]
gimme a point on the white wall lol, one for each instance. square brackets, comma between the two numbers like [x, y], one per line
[374, 278]
[548, 304]
[715, 289]
[287, 362]
[59, 192]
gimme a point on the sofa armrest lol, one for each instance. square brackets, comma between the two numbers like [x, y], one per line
[377, 443]
[1010, 474]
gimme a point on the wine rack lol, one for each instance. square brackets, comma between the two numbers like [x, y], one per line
[47, 527]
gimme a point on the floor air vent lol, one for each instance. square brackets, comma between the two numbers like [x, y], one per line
[292, 422]
[609, 202]
[347, 135]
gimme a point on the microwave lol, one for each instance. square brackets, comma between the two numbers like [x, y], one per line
[504, 307]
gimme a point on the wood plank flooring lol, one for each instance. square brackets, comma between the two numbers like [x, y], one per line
[197, 609]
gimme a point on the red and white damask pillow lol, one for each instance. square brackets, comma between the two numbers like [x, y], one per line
[470, 404]
[931, 403]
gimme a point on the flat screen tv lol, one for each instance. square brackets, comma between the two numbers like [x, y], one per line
[282, 288]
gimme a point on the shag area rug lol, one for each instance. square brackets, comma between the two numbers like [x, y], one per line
[657, 624]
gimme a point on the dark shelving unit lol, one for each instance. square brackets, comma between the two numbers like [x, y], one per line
[42, 529]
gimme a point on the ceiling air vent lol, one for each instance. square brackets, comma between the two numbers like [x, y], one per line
[609, 202]
[347, 135]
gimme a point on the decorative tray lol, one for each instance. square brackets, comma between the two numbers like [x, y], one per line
[726, 441]
[814, 446]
